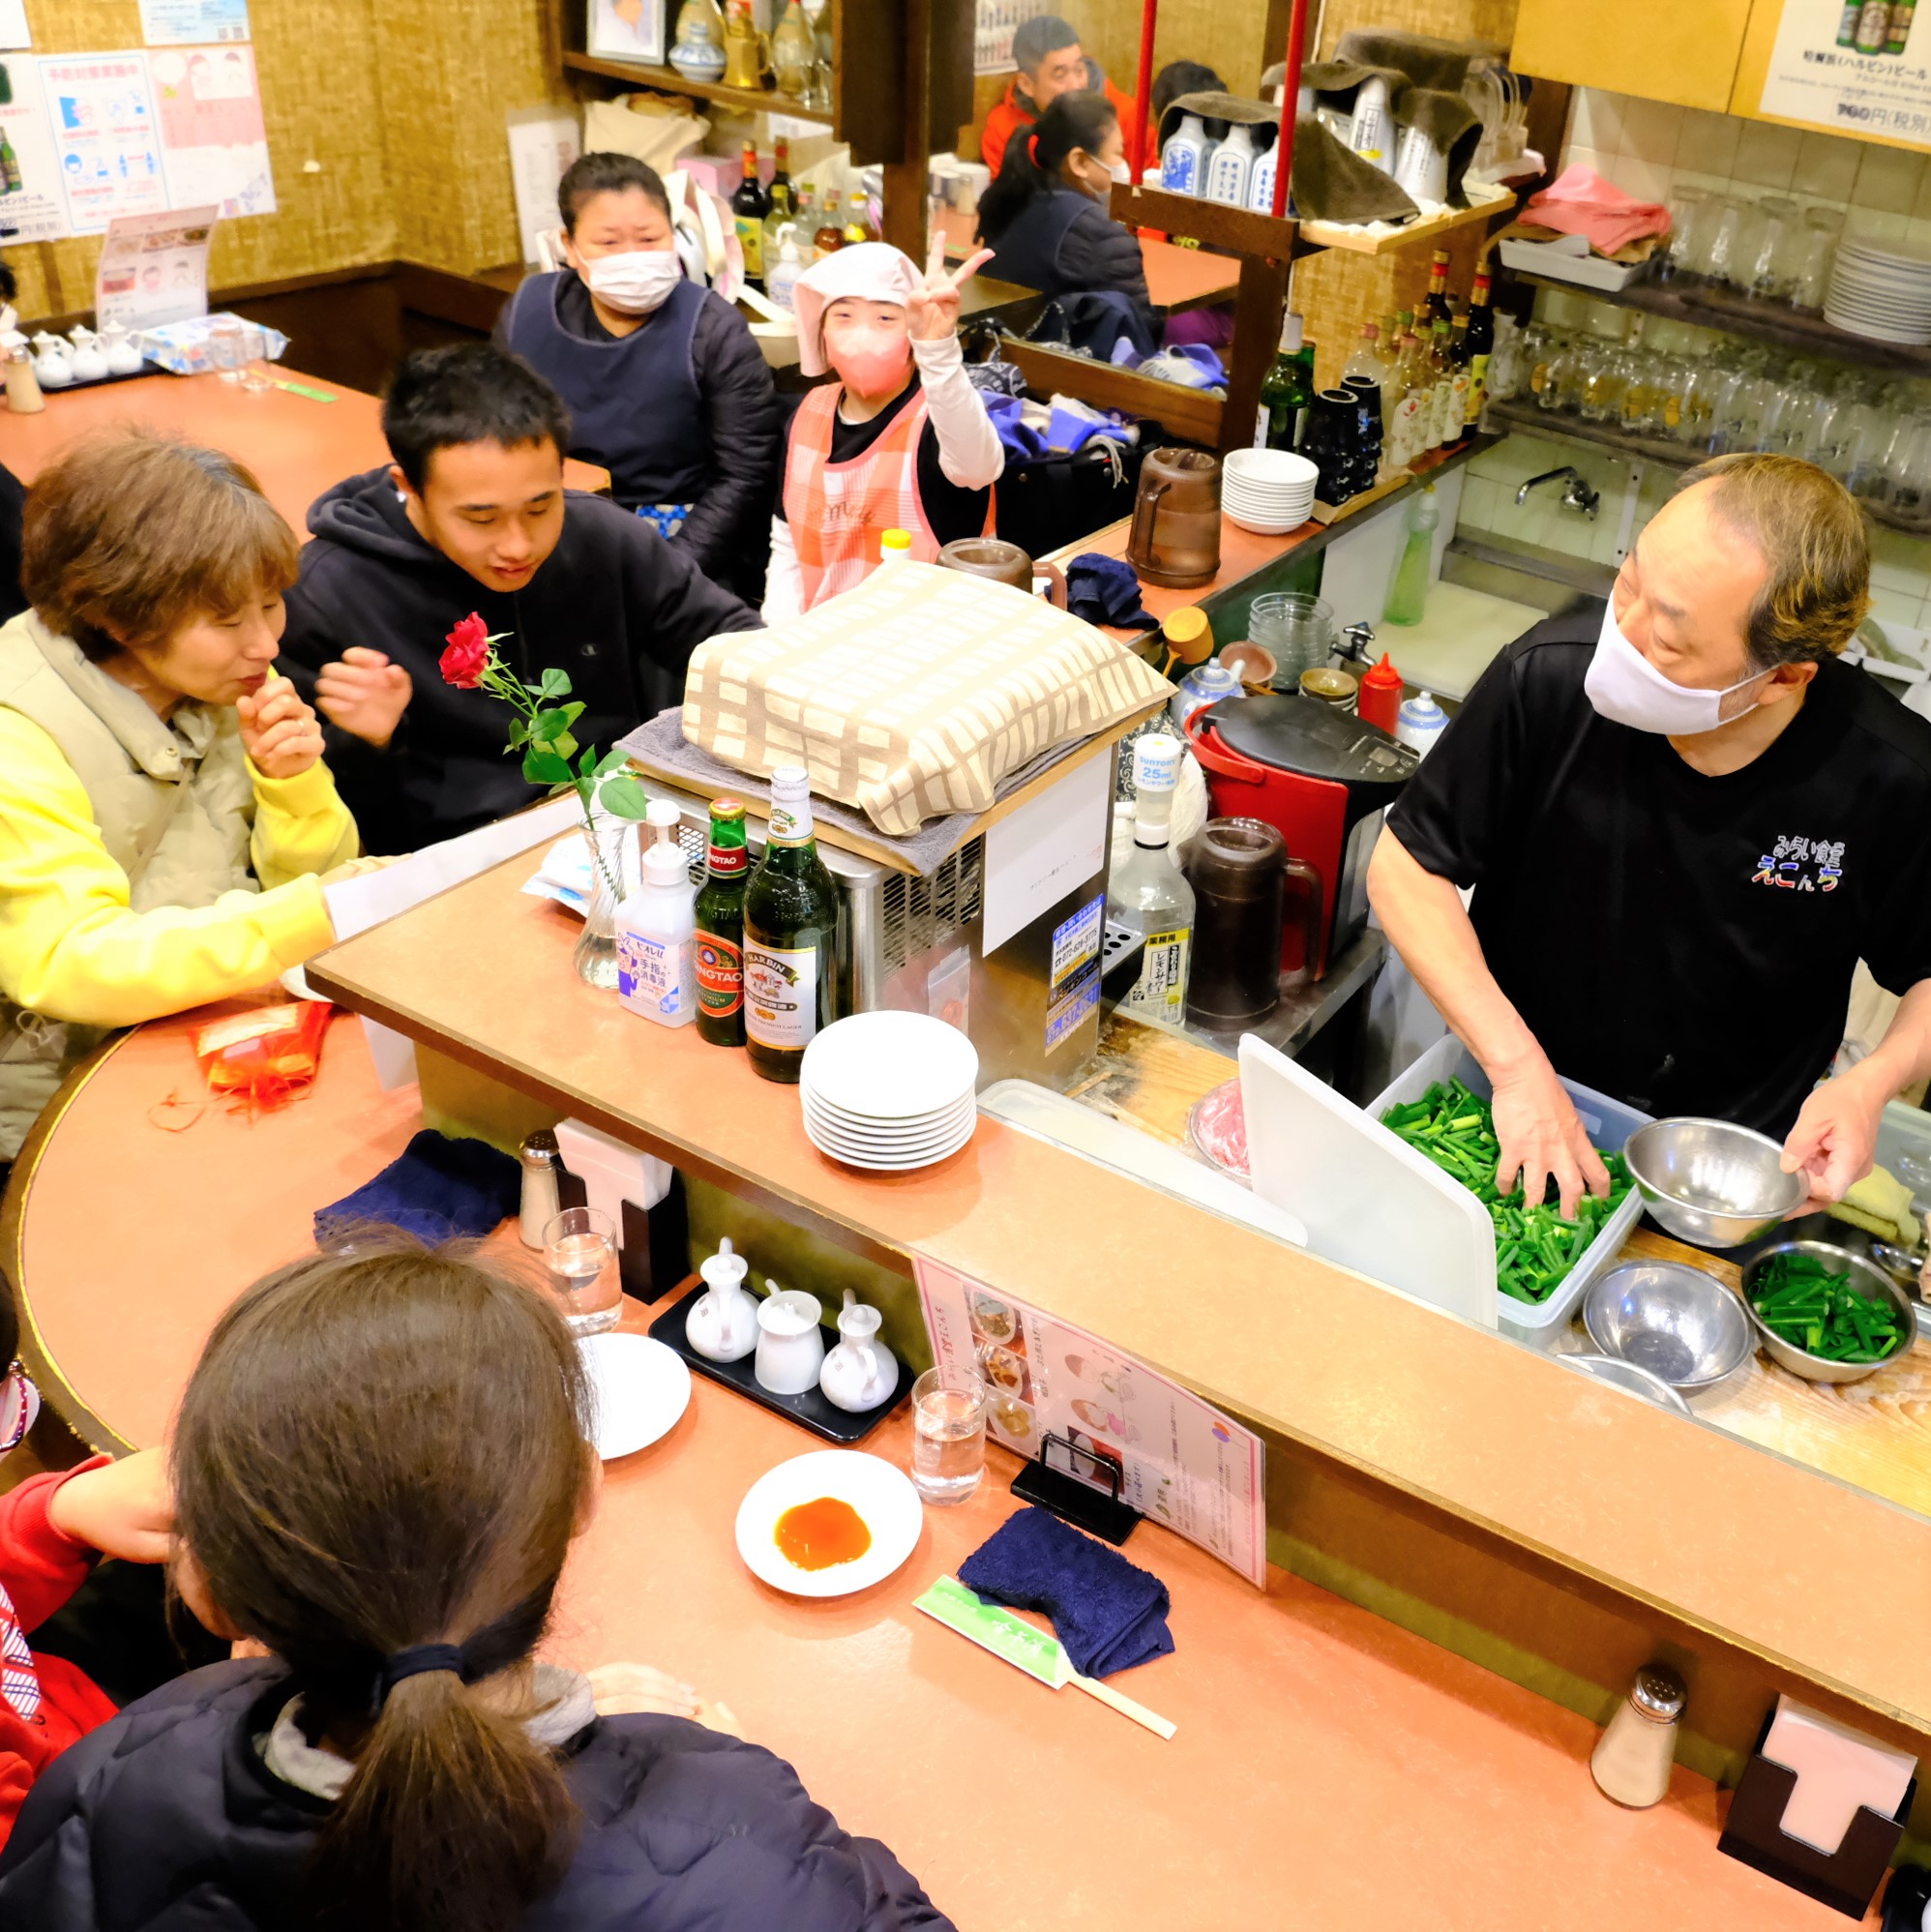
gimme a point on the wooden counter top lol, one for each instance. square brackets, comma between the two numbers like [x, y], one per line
[1822, 1587]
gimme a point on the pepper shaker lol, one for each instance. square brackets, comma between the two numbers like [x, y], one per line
[542, 1160]
[1632, 1758]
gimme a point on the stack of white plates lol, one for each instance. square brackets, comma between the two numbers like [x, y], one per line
[889, 1090]
[1881, 290]
[1269, 491]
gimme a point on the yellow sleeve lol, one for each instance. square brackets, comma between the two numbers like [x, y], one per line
[72, 948]
[301, 826]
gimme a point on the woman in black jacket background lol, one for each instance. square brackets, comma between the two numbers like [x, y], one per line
[1046, 216]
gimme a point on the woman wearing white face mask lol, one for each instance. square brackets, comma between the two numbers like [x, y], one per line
[667, 387]
[900, 441]
[1045, 216]
[1685, 824]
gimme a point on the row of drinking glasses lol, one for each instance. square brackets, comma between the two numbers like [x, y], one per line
[1873, 435]
[1768, 246]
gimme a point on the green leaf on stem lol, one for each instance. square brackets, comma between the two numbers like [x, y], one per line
[555, 684]
[519, 732]
[542, 766]
[550, 726]
[565, 747]
[624, 799]
[614, 760]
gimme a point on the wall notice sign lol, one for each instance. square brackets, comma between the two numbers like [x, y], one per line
[214, 145]
[106, 142]
[1181, 1462]
[1856, 70]
[178, 24]
[154, 268]
[994, 23]
[31, 206]
[543, 142]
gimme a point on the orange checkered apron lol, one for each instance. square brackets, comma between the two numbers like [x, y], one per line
[837, 510]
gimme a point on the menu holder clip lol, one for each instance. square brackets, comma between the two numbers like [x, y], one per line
[1069, 1490]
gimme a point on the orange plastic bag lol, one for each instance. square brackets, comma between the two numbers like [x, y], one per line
[266, 1056]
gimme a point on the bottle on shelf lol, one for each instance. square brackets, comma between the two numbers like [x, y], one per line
[719, 914]
[1435, 305]
[1415, 388]
[657, 954]
[1442, 389]
[1481, 347]
[1388, 349]
[1260, 176]
[1454, 425]
[749, 206]
[1148, 894]
[784, 265]
[1232, 164]
[858, 227]
[1285, 391]
[783, 206]
[790, 932]
[1182, 160]
[830, 235]
[1365, 363]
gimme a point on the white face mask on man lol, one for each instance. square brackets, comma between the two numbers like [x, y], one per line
[636, 283]
[1626, 687]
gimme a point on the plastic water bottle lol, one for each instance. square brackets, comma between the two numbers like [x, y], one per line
[657, 950]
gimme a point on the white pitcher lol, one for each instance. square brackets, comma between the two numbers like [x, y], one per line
[90, 359]
[123, 350]
[860, 1372]
[722, 1323]
[51, 363]
[790, 1347]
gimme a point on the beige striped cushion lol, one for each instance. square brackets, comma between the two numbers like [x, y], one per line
[913, 695]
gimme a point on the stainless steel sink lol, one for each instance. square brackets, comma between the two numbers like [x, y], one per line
[1546, 580]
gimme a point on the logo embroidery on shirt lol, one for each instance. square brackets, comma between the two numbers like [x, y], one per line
[1801, 865]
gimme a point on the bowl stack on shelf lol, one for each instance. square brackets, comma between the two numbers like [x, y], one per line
[889, 1092]
[1268, 492]
[1881, 289]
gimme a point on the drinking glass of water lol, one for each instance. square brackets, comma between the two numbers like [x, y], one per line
[255, 353]
[948, 1434]
[579, 1248]
[226, 346]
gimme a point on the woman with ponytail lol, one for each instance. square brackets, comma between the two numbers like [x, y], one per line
[378, 1468]
[1045, 216]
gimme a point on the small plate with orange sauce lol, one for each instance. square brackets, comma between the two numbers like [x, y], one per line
[828, 1523]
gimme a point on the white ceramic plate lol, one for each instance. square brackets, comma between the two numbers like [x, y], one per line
[888, 1132]
[1263, 526]
[640, 1387]
[874, 1164]
[880, 1492]
[889, 1065]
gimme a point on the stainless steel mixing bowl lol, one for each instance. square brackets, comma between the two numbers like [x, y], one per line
[1865, 1277]
[1710, 1181]
[1619, 1374]
[1677, 1322]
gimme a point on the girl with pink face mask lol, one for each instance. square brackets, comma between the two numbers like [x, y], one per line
[900, 441]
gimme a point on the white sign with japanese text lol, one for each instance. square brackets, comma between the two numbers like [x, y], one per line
[1856, 70]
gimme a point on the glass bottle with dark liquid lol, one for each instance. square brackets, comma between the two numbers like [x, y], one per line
[719, 914]
[790, 932]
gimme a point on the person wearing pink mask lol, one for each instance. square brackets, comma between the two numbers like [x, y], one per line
[900, 441]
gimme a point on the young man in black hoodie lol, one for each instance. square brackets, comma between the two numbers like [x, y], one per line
[473, 515]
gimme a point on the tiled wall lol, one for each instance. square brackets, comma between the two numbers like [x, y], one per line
[1647, 148]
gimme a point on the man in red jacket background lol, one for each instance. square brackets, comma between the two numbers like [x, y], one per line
[1047, 51]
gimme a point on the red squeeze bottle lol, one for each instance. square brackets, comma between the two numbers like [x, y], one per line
[1379, 699]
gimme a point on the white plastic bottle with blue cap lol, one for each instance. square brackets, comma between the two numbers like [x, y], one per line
[657, 930]
[1420, 722]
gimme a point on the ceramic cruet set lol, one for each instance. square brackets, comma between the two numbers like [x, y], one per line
[84, 356]
[727, 1323]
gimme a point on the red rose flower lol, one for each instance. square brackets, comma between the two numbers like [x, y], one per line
[467, 657]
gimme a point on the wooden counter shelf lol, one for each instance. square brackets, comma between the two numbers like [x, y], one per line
[668, 80]
[1767, 1575]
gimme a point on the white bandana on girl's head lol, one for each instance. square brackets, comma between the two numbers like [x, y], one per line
[866, 272]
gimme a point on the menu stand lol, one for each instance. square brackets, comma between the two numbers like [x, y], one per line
[1072, 1495]
[1845, 1880]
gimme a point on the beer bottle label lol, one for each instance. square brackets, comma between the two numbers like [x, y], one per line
[720, 976]
[781, 995]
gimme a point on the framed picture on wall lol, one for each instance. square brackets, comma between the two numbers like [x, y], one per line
[628, 29]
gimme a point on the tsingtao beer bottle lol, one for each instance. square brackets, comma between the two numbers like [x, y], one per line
[720, 920]
[790, 928]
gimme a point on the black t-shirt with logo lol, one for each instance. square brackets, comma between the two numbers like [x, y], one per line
[1682, 943]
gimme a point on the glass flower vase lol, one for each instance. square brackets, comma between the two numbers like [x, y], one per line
[611, 874]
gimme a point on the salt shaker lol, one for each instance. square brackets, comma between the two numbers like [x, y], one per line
[1631, 1760]
[23, 386]
[541, 1205]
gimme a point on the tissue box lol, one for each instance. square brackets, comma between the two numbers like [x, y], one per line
[181, 348]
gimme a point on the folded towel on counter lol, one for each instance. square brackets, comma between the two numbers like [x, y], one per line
[1579, 201]
[1110, 1613]
[437, 1189]
[1104, 590]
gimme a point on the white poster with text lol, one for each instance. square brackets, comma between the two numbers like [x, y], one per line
[1854, 69]
[213, 143]
[32, 208]
[101, 112]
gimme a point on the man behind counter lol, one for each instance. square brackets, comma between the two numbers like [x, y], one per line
[473, 515]
[1050, 62]
[1682, 834]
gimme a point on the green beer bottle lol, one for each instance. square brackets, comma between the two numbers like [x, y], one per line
[720, 920]
[790, 930]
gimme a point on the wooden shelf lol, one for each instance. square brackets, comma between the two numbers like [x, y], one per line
[1333, 235]
[668, 80]
[1539, 422]
[1706, 308]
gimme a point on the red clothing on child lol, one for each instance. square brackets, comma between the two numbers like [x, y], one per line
[45, 1703]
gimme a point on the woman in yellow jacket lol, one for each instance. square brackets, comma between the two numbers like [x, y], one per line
[163, 809]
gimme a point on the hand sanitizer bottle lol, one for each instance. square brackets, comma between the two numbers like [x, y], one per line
[657, 952]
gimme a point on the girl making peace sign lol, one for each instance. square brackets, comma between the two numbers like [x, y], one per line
[900, 441]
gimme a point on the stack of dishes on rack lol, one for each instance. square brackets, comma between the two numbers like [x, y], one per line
[1882, 290]
[889, 1092]
[1269, 491]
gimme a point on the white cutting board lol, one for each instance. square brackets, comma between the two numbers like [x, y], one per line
[1369, 1200]
[1460, 631]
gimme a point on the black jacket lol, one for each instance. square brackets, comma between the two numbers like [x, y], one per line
[167, 1817]
[613, 605]
[1065, 243]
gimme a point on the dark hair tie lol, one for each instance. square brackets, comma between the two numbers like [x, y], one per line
[416, 1661]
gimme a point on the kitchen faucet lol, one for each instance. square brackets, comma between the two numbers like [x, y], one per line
[1578, 496]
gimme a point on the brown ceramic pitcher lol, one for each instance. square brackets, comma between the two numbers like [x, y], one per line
[1175, 537]
[1003, 563]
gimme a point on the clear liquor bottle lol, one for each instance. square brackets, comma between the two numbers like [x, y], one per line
[1148, 894]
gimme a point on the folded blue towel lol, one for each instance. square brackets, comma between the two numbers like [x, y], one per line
[1110, 1613]
[1104, 590]
[437, 1189]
